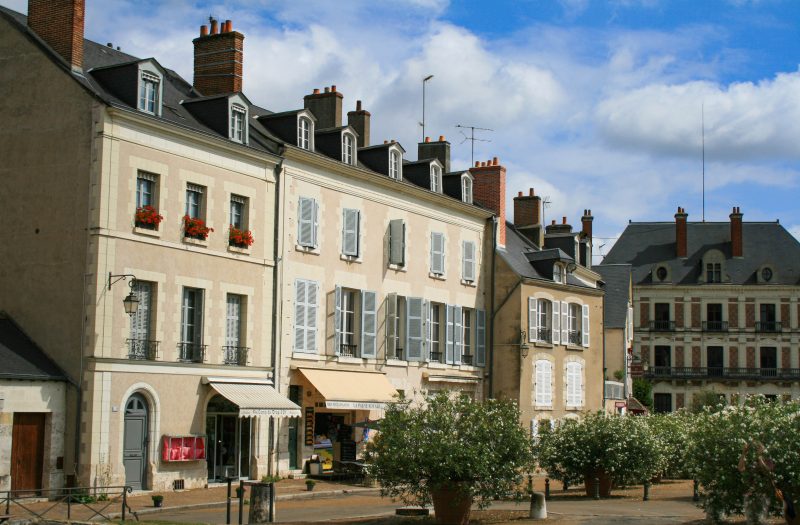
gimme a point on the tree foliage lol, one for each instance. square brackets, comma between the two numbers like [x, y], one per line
[643, 392]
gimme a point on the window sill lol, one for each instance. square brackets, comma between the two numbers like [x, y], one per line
[307, 249]
[146, 231]
[350, 360]
[548, 408]
[471, 284]
[236, 249]
[437, 276]
[398, 267]
[396, 362]
[574, 409]
[436, 364]
[575, 348]
[467, 368]
[350, 258]
[196, 242]
[542, 344]
[305, 356]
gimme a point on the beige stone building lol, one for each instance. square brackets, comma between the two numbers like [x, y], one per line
[548, 327]
[119, 173]
[717, 307]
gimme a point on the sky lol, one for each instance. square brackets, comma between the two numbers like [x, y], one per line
[601, 105]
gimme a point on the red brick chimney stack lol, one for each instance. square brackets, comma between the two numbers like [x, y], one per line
[680, 232]
[218, 58]
[326, 106]
[737, 247]
[528, 216]
[586, 220]
[60, 24]
[359, 121]
[489, 190]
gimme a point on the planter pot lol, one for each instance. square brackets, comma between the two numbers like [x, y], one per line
[451, 504]
[158, 502]
[605, 483]
[309, 487]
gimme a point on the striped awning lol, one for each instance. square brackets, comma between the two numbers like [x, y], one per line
[254, 397]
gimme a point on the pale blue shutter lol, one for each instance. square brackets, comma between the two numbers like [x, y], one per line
[397, 240]
[300, 316]
[437, 253]
[414, 328]
[350, 232]
[585, 325]
[533, 320]
[391, 326]
[468, 266]
[306, 222]
[312, 292]
[337, 321]
[428, 329]
[457, 335]
[480, 338]
[449, 335]
[369, 323]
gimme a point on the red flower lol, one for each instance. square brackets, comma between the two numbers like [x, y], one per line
[147, 216]
[195, 228]
[241, 238]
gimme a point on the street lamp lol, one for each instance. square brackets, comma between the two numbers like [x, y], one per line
[424, 81]
[131, 302]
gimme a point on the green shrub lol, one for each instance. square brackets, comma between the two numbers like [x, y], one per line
[671, 432]
[643, 392]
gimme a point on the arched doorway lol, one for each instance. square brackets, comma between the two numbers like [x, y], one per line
[134, 442]
[228, 440]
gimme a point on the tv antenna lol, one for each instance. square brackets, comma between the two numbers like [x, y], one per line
[472, 138]
[703, 138]
[546, 202]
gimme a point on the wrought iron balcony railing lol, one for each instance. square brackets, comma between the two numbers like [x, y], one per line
[348, 350]
[662, 326]
[142, 349]
[235, 355]
[768, 326]
[436, 357]
[575, 338]
[723, 373]
[544, 335]
[398, 354]
[715, 326]
[466, 359]
[191, 353]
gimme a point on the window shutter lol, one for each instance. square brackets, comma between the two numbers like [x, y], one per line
[369, 315]
[449, 337]
[350, 232]
[437, 253]
[140, 321]
[337, 321]
[544, 383]
[233, 328]
[480, 338]
[556, 322]
[469, 261]
[533, 320]
[534, 429]
[314, 223]
[585, 325]
[391, 325]
[300, 316]
[312, 290]
[548, 384]
[574, 386]
[306, 222]
[397, 230]
[457, 335]
[414, 328]
[564, 323]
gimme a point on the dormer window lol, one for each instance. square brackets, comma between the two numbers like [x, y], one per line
[304, 133]
[238, 123]
[558, 274]
[436, 179]
[466, 189]
[394, 164]
[348, 150]
[149, 88]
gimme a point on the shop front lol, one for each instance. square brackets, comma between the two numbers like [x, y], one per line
[334, 402]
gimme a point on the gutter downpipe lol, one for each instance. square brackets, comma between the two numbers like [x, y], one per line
[603, 324]
[274, 434]
[491, 304]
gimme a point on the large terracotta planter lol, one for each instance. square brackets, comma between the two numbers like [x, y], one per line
[451, 504]
[605, 483]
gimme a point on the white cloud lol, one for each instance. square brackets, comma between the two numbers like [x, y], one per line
[795, 230]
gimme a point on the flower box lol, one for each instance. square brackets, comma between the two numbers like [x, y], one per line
[240, 238]
[195, 228]
[148, 217]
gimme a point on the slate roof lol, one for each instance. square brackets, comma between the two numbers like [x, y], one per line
[22, 358]
[617, 280]
[645, 245]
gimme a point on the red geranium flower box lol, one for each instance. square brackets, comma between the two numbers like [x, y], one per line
[240, 238]
[148, 217]
[195, 228]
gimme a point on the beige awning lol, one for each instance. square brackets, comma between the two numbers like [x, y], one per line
[450, 379]
[254, 397]
[351, 390]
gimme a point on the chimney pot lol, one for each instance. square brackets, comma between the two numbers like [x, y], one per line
[495, 162]
[358, 105]
[427, 139]
[213, 27]
[737, 244]
[553, 222]
[333, 88]
[531, 194]
[477, 163]
[385, 141]
[316, 91]
[327, 89]
[441, 138]
[519, 194]
[563, 220]
[204, 30]
[228, 26]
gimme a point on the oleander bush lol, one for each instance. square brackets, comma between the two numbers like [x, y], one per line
[671, 432]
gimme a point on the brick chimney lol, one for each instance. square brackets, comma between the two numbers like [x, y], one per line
[489, 190]
[60, 24]
[586, 240]
[326, 106]
[359, 121]
[436, 150]
[218, 57]
[586, 221]
[737, 248]
[680, 232]
[528, 216]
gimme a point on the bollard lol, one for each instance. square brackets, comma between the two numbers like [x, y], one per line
[228, 504]
[240, 493]
[538, 509]
[596, 488]
[646, 496]
[546, 488]
[565, 485]
[530, 483]
[695, 492]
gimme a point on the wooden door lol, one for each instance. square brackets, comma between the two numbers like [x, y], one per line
[27, 451]
[134, 449]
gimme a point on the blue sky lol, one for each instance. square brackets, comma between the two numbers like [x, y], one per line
[596, 104]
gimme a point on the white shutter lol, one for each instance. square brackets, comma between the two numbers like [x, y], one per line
[306, 222]
[351, 220]
[437, 253]
[233, 321]
[397, 242]
[457, 335]
[449, 336]
[468, 265]
[369, 316]
[544, 383]
[574, 384]
[391, 325]
[300, 316]
[533, 320]
[585, 325]
[480, 338]
[140, 320]
[337, 321]
[312, 292]
[565, 323]
[414, 328]
[556, 322]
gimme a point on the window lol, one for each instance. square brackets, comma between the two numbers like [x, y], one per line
[543, 381]
[468, 266]
[715, 361]
[191, 347]
[350, 232]
[305, 316]
[139, 345]
[194, 201]
[394, 165]
[662, 321]
[234, 351]
[574, 325]
[437, 253]
[714, 317]
[661, 273]
[145, 189]
[466, 189]
[662, 403]
[436, 179]
[415, 310]
[466, 337]
[304, 133]
[768, 360]
[558, 273]
[574, 380]
[238, 122]
[307, 222]
[766, 274]
[395, 316]
[347, 324]
[539, 316]
[663, 361]
[348, 153]
[356, 323]
[148, 93]
[713, 272]
[397, 242]
[435, 335]
[767, 319]
[237, 215]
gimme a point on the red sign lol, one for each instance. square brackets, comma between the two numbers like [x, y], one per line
[620, 404]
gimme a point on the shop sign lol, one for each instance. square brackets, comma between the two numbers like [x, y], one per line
[355, 405]
[309, 426]
[620, 404]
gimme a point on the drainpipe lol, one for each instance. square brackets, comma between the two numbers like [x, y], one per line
[272, 425]
[491, 305]
[603, 324]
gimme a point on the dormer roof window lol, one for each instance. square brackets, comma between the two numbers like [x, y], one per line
[305, 133]
[149, 92]
[559, 273]
[436, 178]
[238, 131]
[395, 164]
[466, 189]
[348, 148]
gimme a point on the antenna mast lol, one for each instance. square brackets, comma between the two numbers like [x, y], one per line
[546, 202]
[703, 135]
[472, 139]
